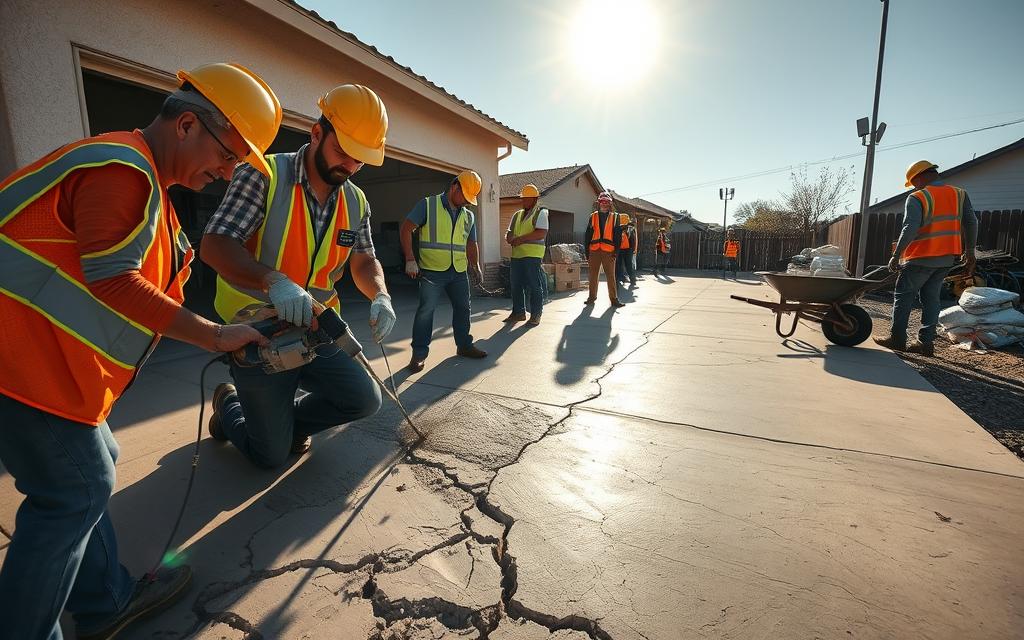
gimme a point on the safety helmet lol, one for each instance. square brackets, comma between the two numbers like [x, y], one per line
[470, 183]
[529, 191]
[623, 219]
[244, 99]
[359, 120]
[604, 195]
[917, 169]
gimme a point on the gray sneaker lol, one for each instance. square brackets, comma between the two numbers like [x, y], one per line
[150, 597]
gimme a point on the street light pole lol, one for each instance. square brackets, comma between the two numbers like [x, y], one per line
[869, 160]
[725, 194]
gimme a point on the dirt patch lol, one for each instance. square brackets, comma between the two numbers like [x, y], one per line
[989, 387]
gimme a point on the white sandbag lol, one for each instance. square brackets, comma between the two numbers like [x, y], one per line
[1010, 317]
[955, 316]
[981, 297]
[826, 250]
[984, 311]
[957, 332]
[566, 254]
[996, 340]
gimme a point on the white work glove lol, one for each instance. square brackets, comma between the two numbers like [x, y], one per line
[382, 317]
[412, 269]
[292, 302]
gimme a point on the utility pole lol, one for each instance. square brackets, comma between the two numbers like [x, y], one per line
[725, 194]
[873, 135]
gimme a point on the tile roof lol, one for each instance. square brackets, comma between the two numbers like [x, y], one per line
[544, 179]
[351, 36]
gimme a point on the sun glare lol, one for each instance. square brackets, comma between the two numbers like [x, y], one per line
[613, 43]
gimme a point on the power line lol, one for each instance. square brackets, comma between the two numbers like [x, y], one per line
[768, 172]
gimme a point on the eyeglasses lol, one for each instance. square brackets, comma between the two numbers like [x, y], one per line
[229, 156]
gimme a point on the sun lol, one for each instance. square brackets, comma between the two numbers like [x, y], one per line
[613, 43]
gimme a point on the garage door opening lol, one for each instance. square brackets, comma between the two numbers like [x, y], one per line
[393, 189]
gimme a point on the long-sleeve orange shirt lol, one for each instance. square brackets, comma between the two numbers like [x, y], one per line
[101, 206]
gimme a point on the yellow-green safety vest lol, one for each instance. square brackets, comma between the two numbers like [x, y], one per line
[523, 224]
[441, 243]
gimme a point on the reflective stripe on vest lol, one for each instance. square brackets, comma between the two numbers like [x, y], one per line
[602, 240]
[732, 248]
[940, 232]
[442, 244]
[65, 351]
[522, 225]
[287, 242]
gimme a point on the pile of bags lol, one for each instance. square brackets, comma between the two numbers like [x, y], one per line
[984, 319]
[567, 254]
[825, 261]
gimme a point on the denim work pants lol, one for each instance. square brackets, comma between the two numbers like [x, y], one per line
[64, 552]
[661, 262]
[525, 275]
[265, 416]
[626, 267]
[914, 279]
[432, 284]
[731, 264]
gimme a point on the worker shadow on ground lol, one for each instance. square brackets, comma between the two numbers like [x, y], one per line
[585, 342]
[869, 366]
[455, 372]
[662, 278]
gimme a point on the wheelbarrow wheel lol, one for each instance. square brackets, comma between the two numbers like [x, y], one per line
[847, 336]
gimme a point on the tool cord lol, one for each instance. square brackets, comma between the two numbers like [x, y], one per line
[151, 575]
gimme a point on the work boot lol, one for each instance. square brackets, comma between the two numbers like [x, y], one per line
[515, 317]
[415, 364]
[149, 597]
[922, 348]
[471, 352]
[301, 444]
[890, 343]
[617, 304]
[215, 425]
[588, 301]
[534, 320]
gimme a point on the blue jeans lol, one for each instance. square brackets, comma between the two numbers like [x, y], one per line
[264, 417]
[526, 280]
[626, 268]
[64, 551]
[731, 264]
[914, 279]
[432, 283]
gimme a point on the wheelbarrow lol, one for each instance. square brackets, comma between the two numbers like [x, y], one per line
[827, 301]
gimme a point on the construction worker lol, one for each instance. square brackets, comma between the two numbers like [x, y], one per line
[626, 266]
[939, 227]
[93, 263]
[526, 232]
[662, 247]
[286, 240]
[731, 252]
[446, 249]
[604, 236]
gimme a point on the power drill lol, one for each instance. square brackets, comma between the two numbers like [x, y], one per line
[291, 346]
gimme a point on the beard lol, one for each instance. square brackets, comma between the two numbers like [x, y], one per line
[334, 176]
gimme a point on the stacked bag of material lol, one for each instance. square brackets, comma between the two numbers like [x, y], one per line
[984, 319]
[824, 261]
[567, 254]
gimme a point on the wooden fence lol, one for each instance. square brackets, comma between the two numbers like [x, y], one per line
[996, 230]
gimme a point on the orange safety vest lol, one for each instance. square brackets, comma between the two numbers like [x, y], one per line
[287, 242]
[65, 351]
[602, 240]
[624, 243]
[732, 248]
[940, 233]
[662, 243]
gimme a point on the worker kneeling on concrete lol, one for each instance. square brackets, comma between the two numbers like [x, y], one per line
[286, 240]
[93, 263]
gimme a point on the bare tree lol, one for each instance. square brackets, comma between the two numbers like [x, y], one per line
[766, 215]
[817, 200]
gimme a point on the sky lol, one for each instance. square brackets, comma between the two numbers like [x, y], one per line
[660, 96]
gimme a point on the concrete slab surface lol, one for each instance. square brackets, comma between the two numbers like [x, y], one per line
[668, 470]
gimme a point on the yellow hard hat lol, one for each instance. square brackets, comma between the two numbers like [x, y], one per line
[359, 120]
[245, 100]
[918, 168]
[529, 191]
[470, 183]
[623, 218]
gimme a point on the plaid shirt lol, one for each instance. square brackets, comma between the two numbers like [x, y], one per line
[243, 208]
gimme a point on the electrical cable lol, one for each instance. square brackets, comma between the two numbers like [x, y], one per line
[151, 575]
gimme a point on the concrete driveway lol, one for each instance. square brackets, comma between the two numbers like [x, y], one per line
[668, 470]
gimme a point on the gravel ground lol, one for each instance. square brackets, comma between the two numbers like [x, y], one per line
[989, 387]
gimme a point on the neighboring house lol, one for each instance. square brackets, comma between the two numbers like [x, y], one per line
[995, 181]
[75, 69]
[569, 193]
